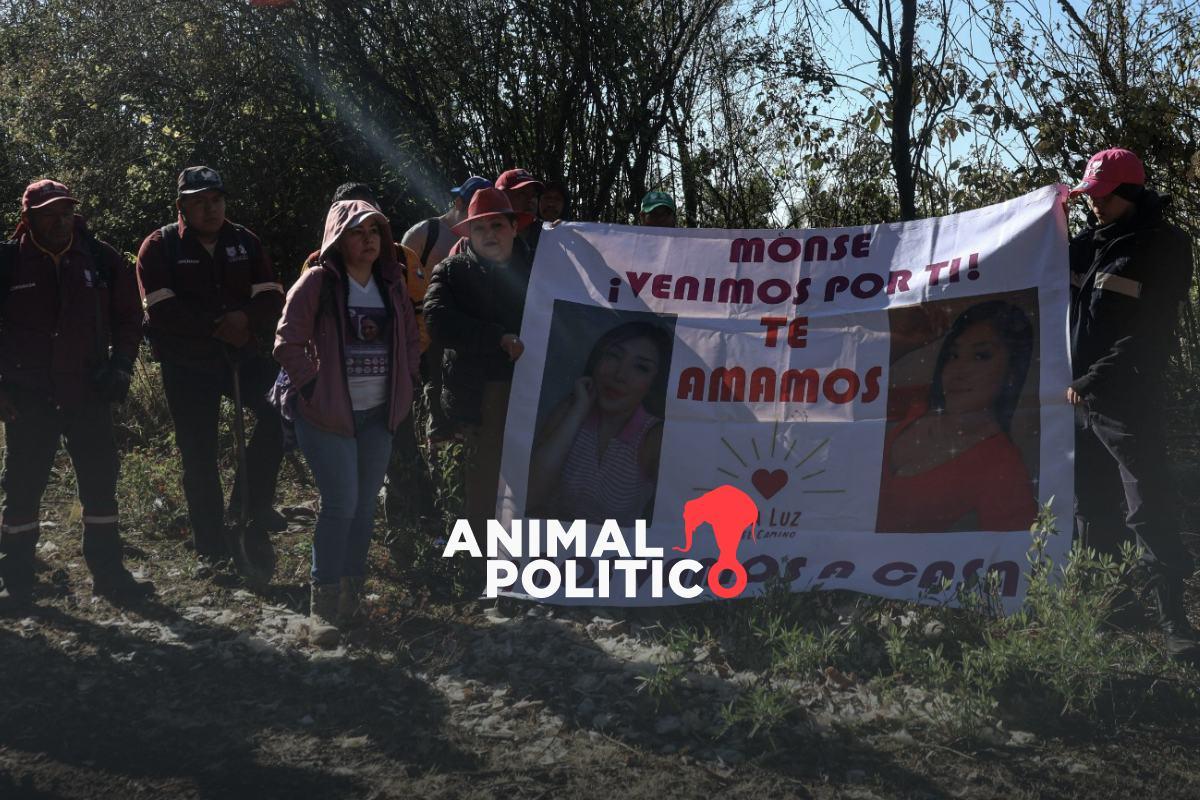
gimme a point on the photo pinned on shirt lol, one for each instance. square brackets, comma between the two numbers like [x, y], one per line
[368, 324]
[600, 415]
[961, 451]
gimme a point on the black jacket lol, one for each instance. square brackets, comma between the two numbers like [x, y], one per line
[470, 304]
[1127, 281]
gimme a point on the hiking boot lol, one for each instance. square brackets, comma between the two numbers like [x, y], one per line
[322, 614]
[1182, 641]
[117, 584]
[16, 569]
[349, 601]
[103, 553]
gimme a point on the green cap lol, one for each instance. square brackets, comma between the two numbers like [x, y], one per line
[653, 200]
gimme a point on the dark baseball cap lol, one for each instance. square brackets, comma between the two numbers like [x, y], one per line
[194, 180]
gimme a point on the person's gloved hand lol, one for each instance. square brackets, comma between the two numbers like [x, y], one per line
[233, 328]
[113, 381]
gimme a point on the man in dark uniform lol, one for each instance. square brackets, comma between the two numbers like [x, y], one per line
[212, 302]
[70, 324]
[1130, 271]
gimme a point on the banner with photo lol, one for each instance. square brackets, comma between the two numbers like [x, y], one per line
[890, 397]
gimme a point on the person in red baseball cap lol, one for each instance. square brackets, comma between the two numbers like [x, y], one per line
[1113, 180]
[70, 325]
[523, 191]
[1130, 271]
[521, 188]
[473, 308]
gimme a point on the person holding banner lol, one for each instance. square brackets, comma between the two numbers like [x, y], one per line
[657, 210]
[596, 458]
[1130, 272]
[554, 202]
[473, 308]
[948, 459]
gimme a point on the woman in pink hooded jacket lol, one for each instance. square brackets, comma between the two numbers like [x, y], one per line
[348, 342]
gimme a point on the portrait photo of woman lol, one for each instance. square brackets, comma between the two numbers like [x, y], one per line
[596, 453]
[950, 462]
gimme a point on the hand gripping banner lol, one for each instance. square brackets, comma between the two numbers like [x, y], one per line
[877, 409]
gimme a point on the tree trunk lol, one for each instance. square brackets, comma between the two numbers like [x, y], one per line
[902, 110]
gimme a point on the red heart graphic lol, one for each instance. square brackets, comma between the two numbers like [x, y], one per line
[769, 483]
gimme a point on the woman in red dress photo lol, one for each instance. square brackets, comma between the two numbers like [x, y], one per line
[949, 462]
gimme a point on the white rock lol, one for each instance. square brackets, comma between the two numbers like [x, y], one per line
[324, 636]
[1021, 739]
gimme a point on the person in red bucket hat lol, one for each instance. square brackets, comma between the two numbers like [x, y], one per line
[473, 308]
[1130, 271]
[70, 324]
[491, 203]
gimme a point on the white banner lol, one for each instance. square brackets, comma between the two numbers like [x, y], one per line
[891, 398]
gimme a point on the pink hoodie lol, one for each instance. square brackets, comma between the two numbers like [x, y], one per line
[308, 341]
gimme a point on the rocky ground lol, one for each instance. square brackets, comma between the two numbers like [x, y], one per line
[212, 691]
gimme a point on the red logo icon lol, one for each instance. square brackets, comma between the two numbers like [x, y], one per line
[728, 511]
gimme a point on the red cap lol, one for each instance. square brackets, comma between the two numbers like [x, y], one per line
[1107, 170]
[490, 203]
[43, 193]
[515, 179]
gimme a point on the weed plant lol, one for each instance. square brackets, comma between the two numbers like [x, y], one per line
[1056, 663]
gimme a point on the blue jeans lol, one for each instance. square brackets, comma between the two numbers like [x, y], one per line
[349, 473]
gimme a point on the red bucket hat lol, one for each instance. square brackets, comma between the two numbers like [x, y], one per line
[1107, 170]
[43, 193]
[490, 203]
